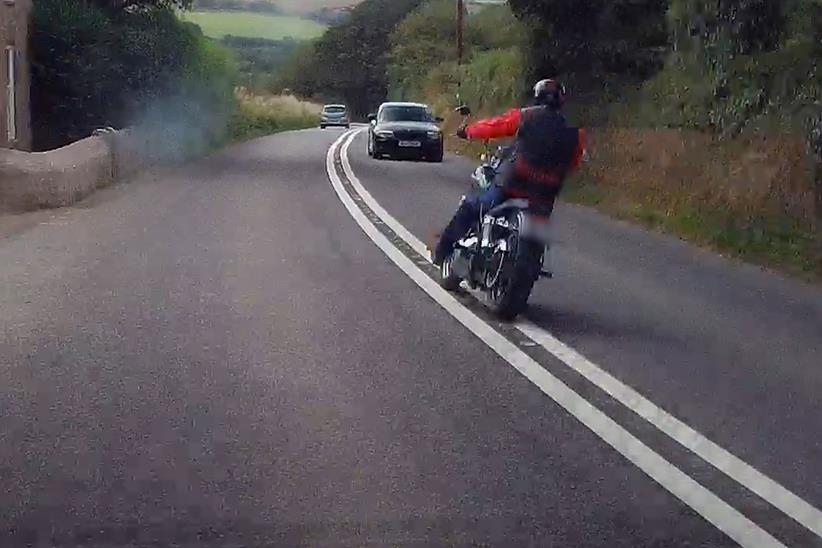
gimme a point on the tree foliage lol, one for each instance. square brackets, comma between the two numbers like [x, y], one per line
[626, 37]
[423, 56]
[94, 68]
[747, 59]
[711, 64]
[349, 62]
[726, 62]
[423, 40]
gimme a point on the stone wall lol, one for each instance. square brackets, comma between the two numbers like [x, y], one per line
[34, 180]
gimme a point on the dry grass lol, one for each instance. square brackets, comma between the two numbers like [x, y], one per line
[675, 168]
[276, 104]
[752, 197]
[266, 114]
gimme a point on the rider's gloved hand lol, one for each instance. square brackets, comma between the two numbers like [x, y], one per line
[461, 133]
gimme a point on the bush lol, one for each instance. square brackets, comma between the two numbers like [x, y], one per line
[740, 63]
[424, 39]
[493, 80]
[94, 67]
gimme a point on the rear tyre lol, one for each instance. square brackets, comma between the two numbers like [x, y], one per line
[509, 297]
[322, 126]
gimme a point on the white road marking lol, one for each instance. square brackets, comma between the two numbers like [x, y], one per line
[716, 511]
[721, 459]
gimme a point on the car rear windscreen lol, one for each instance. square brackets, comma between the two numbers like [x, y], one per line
[334, 110]
[405, 114]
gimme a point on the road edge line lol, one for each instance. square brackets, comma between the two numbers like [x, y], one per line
[720, 458]
[707, 504]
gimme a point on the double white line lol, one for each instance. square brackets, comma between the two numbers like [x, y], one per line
[707, 504]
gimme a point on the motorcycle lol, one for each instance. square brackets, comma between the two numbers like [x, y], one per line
[506, 250]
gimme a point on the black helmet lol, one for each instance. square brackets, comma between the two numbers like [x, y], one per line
[551, 93]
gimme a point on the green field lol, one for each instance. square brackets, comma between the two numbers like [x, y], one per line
[308, 6]
[217, 24]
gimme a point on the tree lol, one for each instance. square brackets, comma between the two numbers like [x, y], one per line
[92, 68]
[423, 40]
[597, 37]
[752, 57]
[423, 56]
[349, 61]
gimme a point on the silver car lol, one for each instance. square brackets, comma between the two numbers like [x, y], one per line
[334, 115]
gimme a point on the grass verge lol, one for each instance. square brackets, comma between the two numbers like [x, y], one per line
[776, 243]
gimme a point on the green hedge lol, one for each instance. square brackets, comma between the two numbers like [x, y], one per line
[94, 67]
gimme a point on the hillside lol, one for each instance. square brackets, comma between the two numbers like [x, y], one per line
[310, 6]
[217, 24]
[287, 7]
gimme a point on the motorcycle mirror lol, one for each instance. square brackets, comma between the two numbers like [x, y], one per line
[463, 110]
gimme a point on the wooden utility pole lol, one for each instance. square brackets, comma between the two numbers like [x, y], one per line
[460, 30]
[460, 44]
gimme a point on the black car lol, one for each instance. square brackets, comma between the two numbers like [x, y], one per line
[405, 130]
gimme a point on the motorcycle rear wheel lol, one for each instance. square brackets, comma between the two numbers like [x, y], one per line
[508, 296]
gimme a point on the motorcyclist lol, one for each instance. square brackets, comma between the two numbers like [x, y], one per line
[546, 149]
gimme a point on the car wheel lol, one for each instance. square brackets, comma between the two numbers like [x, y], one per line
[437, 156]
[322, 126]
[369, 148]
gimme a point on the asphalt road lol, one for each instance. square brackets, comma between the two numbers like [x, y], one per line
[218, 355]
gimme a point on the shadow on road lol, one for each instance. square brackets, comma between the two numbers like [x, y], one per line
[410, 159]
[566, 323]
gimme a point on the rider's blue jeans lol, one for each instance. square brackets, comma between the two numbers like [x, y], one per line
[466, 215]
